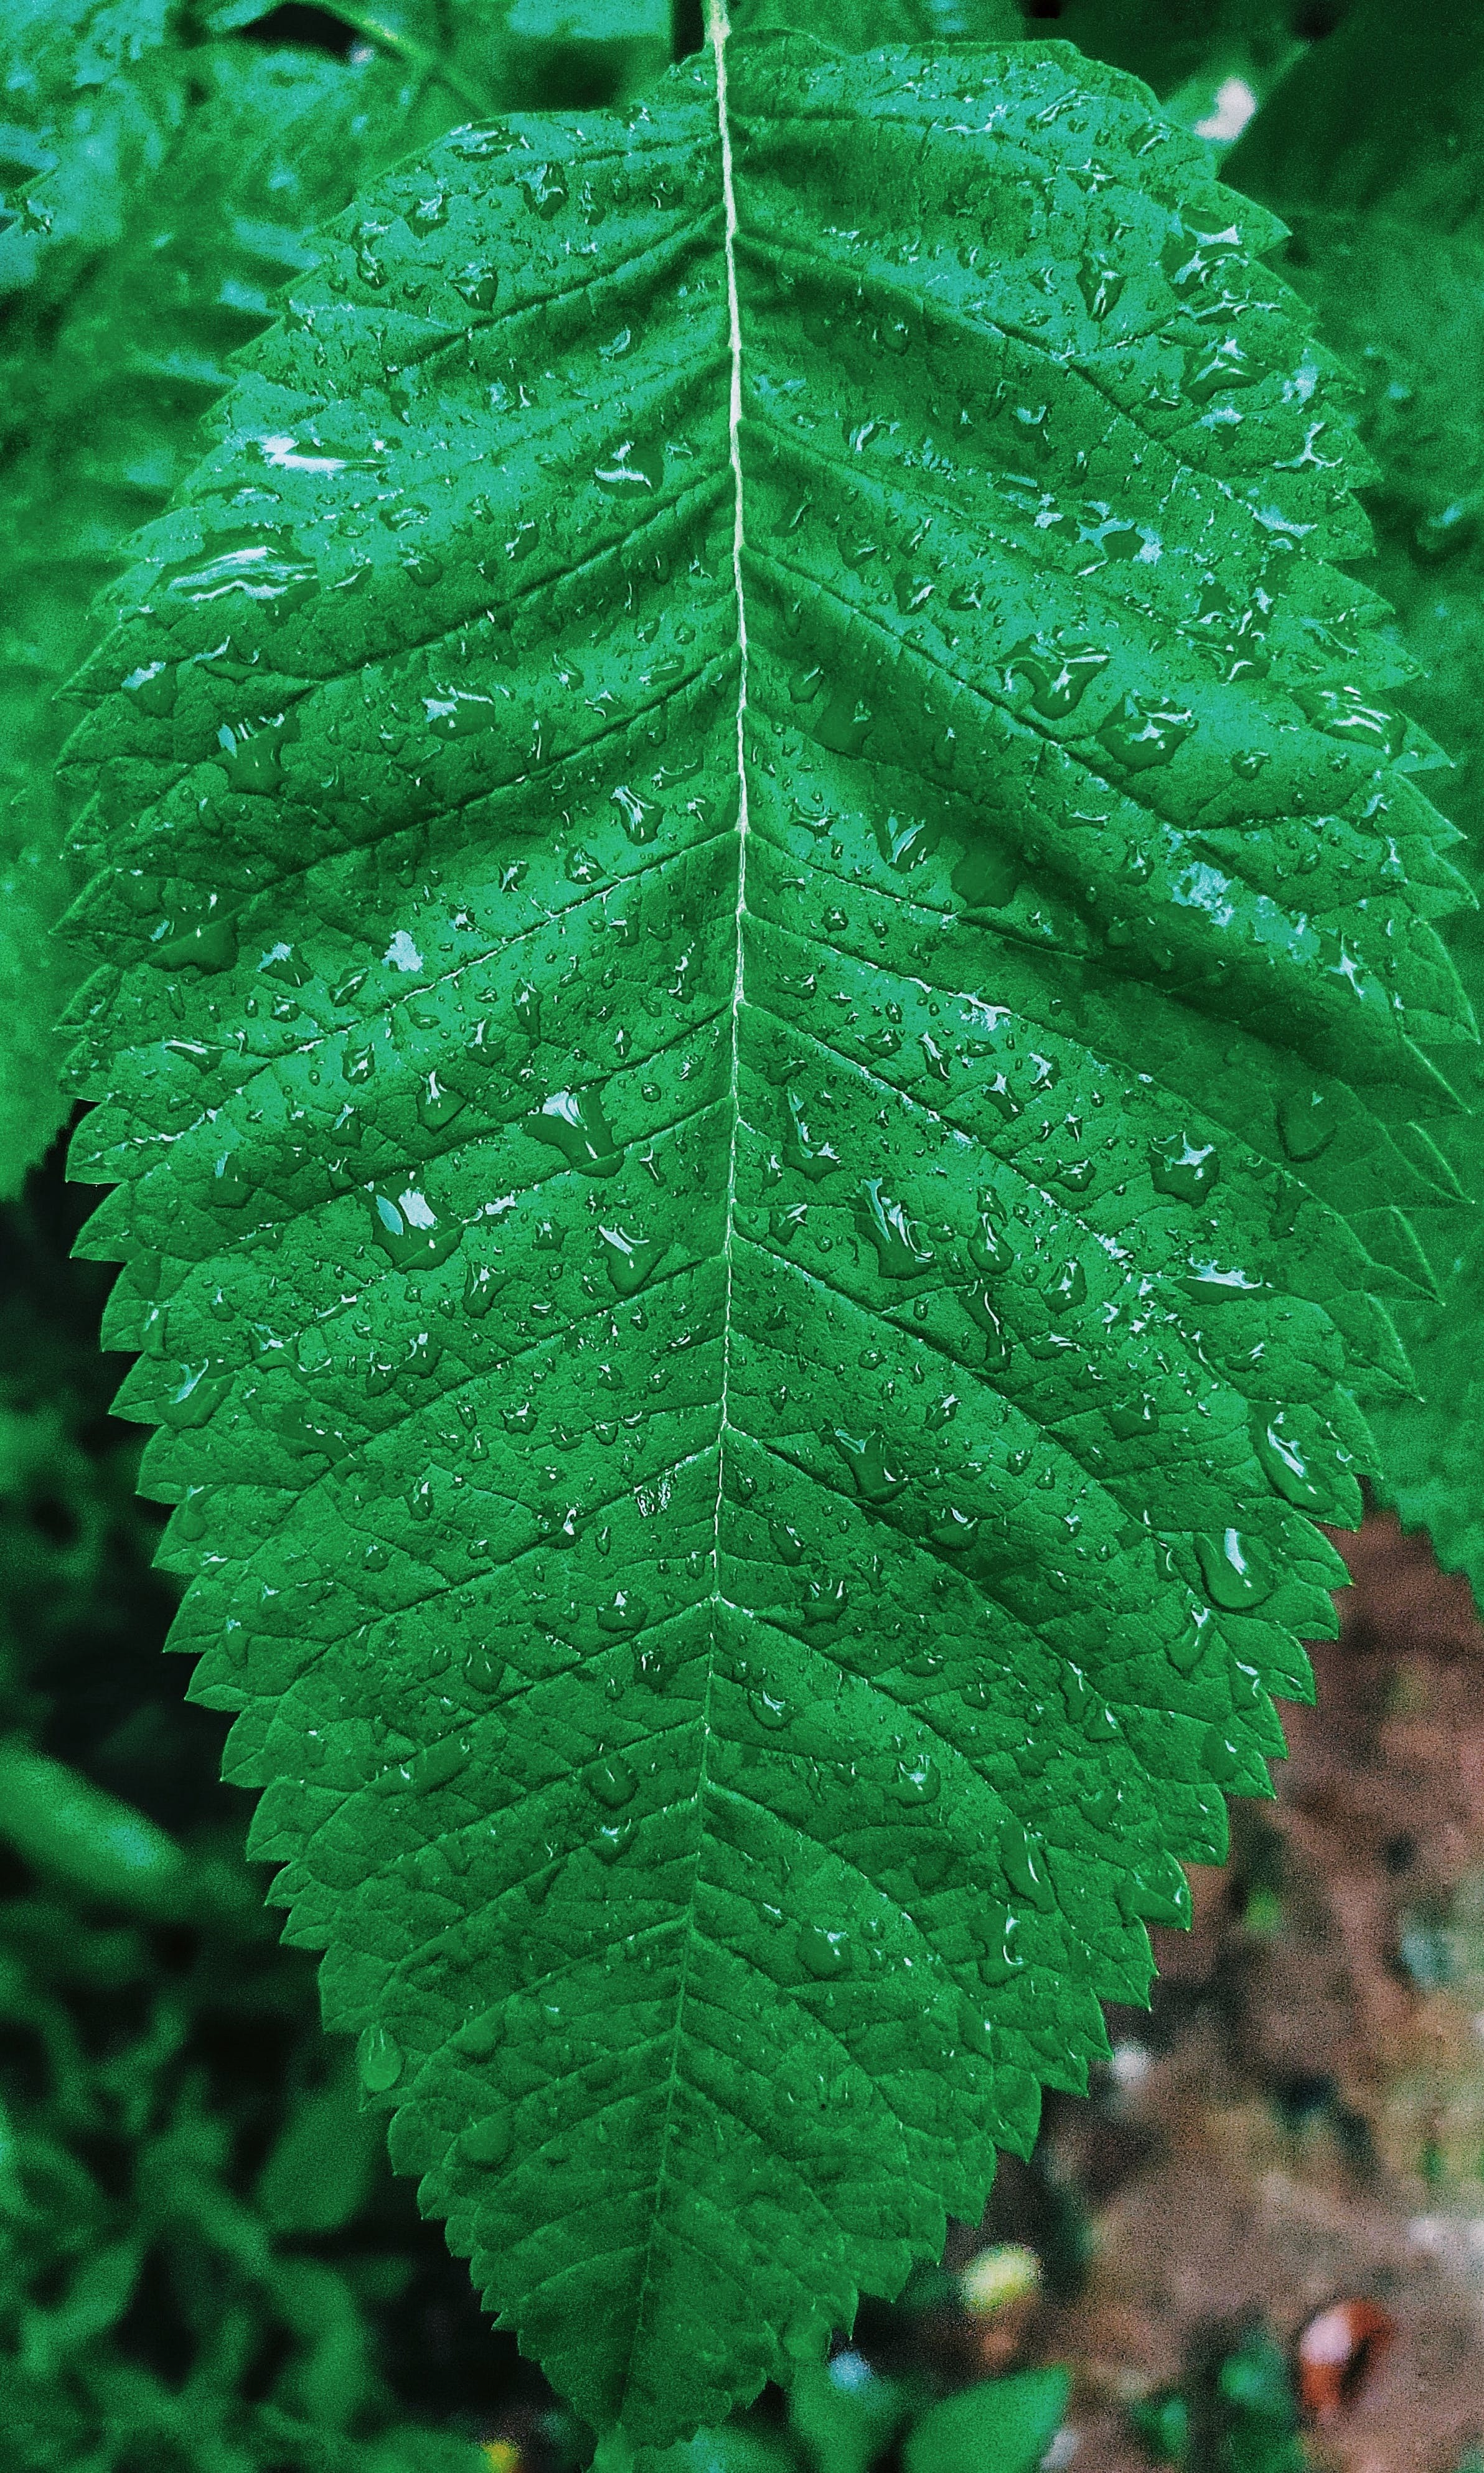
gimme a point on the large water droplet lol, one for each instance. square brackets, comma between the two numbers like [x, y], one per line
[989, 1247]
[630, 1259]
[1235, 1574]
[866, 1459]
[634, 468]
[1285, 1461]
[613, 1782]
[250, 752]
[437, 1105]
[1184, 1170]
[573, 1123]
[1307, 1123]
[259, 564]
[901, 1255]
[801, 1151]
[1145, 732]
[409, 1231]
[628, 1613]
[380, 2059]
[1058, 673]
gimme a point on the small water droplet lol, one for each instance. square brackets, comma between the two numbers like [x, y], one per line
[613, 1782]
[821, 1953]
[487, 2142]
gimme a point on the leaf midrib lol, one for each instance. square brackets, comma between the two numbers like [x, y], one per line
[718, 31]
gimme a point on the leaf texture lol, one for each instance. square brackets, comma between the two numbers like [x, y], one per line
[1376, 172]
[161, 189]
[765, 861]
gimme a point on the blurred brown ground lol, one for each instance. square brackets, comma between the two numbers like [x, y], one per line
[1301, 2118]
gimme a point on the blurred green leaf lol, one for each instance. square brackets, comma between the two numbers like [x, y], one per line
[1371, 149]
[1002, 2426]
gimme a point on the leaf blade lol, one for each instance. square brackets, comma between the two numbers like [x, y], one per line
[723, 1798]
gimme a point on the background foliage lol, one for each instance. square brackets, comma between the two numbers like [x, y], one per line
[130, 2107]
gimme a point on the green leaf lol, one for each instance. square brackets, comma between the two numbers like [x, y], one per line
[723, 1016]
[1001, 2426]
[843, 2414]
[321, 2164]
[1369, 151]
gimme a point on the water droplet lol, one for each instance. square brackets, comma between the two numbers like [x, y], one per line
[206, 944]
[1188, 1648]
[631, 470]
[1058, 673]
[824, 1953]
[900, 1254]
[375, 1558]
[989, 1247]
[1144, 732]
[573, 1123]
[1342, 713]
[1216, 369]
[640, 817]
[1307, 1123]
[1185, 1170]
[953, 1529]
[153, 689]
[380, 2059]
[824, 1602]
[613, 1782]
[787, 1544]
[1100, 285]
[1000, 1965]
[410, 1233]
[438, 1106]
[1021, 1862]
[487, 2142]
[917, 1780]
[259, 565]
[1220, 1757]
[866, 1459]
[631, 1259]
[478, 285]
[545, 190]
[997, 1346]
[190, 1520]
[802, 1152]
[528, 1009]
[770, 1709]
[458, 712]
[1133, 1417]
[1235, 1573]
[484, 1668]
[250, 752]
[986, 877]
[1285, 1461]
